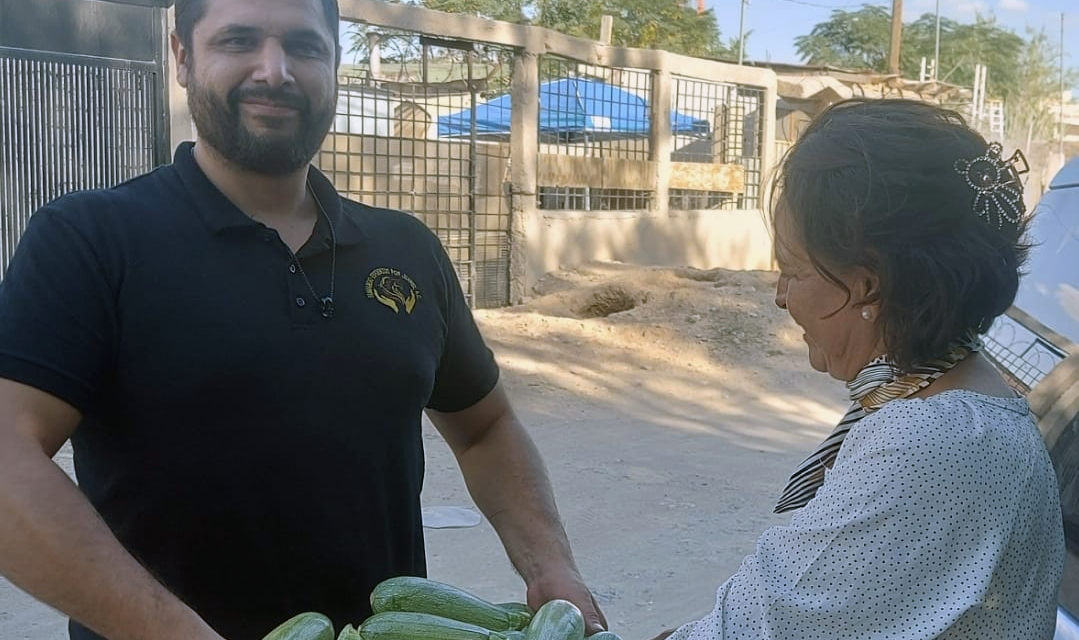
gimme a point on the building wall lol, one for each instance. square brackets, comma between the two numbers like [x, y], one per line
[736, 239]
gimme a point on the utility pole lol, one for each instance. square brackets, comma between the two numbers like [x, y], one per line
[897, 35]
[742, 32]
[1060, 117]
[936, 47]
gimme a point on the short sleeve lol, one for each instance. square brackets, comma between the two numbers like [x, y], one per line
[910, 537]
[58, 321]
[467, 370]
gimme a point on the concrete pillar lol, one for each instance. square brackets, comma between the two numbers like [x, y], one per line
[660, 141]
[769, 153]
[524, 161]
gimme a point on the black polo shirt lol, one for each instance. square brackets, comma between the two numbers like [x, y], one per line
[260, 459]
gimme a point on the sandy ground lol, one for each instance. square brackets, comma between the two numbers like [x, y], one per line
[669, 404]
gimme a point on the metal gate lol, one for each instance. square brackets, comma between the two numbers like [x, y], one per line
[69, 120]
[406, 137]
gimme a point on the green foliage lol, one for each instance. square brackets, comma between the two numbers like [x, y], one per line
[505, 10]
[962, 46]
[661, 24]
[860, 40]
[1023, 72]
[849, 39]
[1036, 88]
[650, 24]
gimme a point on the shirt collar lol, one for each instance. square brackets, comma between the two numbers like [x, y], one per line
[219, 213]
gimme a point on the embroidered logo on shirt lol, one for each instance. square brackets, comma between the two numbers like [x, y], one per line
[394, 289]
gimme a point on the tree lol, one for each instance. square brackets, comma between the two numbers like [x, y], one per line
[849, 39]
[653, 24]
[1023, 72]
[1036, 89]
[505, 10]
[659, 24]
[859, 40]
[963, 46]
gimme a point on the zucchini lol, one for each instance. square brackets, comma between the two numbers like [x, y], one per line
[348, 633]
[603, 635]
[406, 625]
[556, 620]
[523, 610]
[420, 595]
[516, 635]
[304, 626]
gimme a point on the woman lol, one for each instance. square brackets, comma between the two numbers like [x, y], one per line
[932, 510]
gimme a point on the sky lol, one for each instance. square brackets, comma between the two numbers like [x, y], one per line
[776, 23]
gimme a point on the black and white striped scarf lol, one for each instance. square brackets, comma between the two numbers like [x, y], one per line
[876, 384]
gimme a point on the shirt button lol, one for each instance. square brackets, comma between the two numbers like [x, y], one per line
[292, 268]
[300, 302]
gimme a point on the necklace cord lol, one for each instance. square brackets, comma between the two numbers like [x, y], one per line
[326, 303]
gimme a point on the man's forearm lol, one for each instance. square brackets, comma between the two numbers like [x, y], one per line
[56, 547]
[507, 480]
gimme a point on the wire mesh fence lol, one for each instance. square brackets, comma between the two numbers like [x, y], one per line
[1021, 350]
[428, 133]
[717, 160]
[594, 137]
[593, 111]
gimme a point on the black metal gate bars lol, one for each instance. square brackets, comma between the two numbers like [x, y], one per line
[81, 101]
[69, 122]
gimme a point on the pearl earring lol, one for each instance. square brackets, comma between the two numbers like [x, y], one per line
[866, 313]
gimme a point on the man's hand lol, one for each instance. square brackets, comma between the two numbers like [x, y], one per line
[566, 584]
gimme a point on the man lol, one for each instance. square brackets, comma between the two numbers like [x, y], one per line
[240, 358]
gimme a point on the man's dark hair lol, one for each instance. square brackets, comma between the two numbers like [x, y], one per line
[189, 12]
[873, 184]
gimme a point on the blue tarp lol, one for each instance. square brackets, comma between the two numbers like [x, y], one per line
[571, 106]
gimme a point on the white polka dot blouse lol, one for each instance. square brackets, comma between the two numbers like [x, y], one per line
[939, 519]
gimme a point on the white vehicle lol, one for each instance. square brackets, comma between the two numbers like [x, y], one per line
[1050, 291]
[1050, 294]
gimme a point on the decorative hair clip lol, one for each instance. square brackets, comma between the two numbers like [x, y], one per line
[996, 183]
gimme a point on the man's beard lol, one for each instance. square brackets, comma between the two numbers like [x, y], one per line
[221, 126]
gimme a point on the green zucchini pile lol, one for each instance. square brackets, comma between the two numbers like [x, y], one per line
[409, 608]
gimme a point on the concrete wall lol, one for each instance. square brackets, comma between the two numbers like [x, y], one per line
[736, 239]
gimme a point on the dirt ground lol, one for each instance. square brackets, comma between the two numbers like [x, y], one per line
[669, 404]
